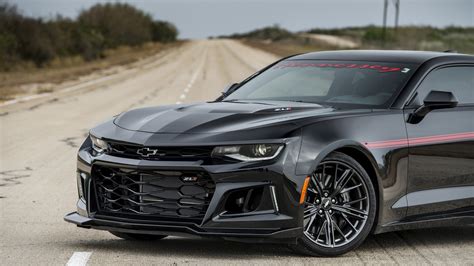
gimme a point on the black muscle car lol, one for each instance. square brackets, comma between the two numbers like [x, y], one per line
[316, 151]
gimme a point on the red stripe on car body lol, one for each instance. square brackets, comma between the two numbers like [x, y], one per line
[419, 140]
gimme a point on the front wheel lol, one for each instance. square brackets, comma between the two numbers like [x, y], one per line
[137, 237]
[339, 209]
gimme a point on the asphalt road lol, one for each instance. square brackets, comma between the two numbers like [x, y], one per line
[38, 143]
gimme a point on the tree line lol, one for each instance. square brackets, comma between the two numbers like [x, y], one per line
[101, 27]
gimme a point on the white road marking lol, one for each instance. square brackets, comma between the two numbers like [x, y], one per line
[79, 259]
[193, 79]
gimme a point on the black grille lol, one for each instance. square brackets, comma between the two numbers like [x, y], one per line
[159, 153]
[152, 194]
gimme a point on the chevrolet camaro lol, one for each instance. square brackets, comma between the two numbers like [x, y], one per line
[316, 151]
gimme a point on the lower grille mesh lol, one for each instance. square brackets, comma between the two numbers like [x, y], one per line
[154, 194]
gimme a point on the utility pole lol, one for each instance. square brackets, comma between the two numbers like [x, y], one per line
[384, 29]
[396, 3]
[397, 12]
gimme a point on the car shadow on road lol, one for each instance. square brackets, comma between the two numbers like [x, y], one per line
[444, 238]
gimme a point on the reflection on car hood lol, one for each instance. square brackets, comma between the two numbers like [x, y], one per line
[215, 117]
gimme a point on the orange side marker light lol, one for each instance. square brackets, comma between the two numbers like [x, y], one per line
[304, 189]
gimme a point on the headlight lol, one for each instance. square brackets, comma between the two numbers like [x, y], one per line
[99, 145]
[254, 152]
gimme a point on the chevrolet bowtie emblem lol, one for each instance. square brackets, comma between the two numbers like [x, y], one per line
[145, 152]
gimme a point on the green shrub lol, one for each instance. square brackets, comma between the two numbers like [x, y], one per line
[273, 33]
[163, 31]
[101, 27]
[119, 24]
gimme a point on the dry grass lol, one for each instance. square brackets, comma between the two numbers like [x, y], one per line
[286, 48]
[370, 37]
[27, 79]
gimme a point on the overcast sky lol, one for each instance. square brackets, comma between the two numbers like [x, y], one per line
[203, 18]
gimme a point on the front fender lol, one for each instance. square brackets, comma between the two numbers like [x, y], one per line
[389, 164]
[339, 144]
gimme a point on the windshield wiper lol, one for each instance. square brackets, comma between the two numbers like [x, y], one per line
[230, 101]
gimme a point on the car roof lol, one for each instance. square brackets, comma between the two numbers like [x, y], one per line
[396, 56]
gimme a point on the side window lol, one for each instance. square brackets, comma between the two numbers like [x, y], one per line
[458, 80]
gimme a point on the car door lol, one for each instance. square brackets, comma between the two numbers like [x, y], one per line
[441, 146]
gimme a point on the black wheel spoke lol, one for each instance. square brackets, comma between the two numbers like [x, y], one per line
[324, 170]
[329, 231]
[312, 191]
[320, 230]
[345, 190]
[326, 181]
[310, 211]
[340, 231]
[355, 201]
[310, 223]
[342, 182]
[351, 211]
[316, 185]
[348, 222]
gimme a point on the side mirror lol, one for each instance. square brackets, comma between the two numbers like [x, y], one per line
[434, 100]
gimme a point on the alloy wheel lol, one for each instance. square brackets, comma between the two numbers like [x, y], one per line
[337, 205]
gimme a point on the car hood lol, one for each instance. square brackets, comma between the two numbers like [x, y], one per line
[218, 117]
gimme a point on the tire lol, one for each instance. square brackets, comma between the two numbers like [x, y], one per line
[350, 216]
[137, 237]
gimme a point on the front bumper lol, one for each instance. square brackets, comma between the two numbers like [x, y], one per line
[280, 224]
[269, 235]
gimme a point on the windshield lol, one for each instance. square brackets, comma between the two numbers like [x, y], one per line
[334, 83]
